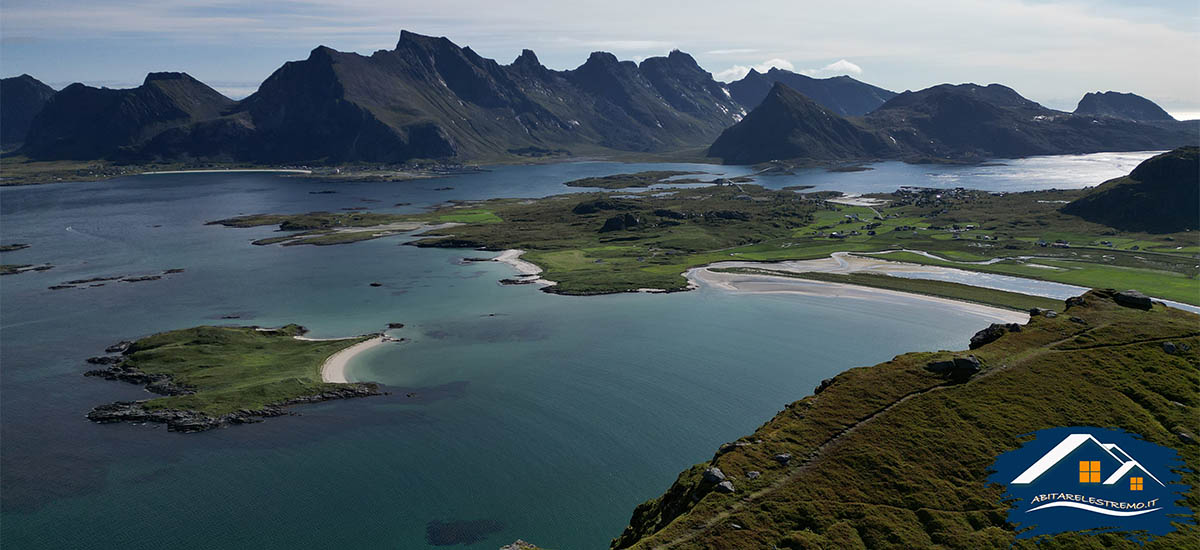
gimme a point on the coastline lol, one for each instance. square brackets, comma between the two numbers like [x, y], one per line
[768, 284]
[229, 170]
[512, 257]
[333, 370]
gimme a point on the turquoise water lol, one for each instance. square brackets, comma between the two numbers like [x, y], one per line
[519, 413]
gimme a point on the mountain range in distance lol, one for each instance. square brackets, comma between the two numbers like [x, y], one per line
[429, 99]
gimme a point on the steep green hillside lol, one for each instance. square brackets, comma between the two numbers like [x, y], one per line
[895, 456]
[1161, 195]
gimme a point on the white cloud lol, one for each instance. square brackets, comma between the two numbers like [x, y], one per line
[837, 68]
[737, 72]
[732, 51]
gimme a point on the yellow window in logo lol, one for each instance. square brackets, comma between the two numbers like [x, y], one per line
[1135, 484]
[1089, 471]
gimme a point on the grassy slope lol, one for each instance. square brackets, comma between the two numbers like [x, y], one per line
[234, 368]
[891, 456]
[956, 291]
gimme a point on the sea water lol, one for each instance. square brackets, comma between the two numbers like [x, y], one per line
[513, 413]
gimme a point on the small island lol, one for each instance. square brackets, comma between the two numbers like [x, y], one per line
[212, 376]
[649, 178]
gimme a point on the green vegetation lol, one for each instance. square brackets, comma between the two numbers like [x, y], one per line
[943, 289]
[646, 179]
[896, 457]
[234, 368]
[593, 243]
[325, 228]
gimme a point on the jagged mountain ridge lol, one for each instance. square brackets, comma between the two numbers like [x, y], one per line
[21, 97]
[788, 125]
[85, 122]
[968, 122]
[429, 98]
[841, 94]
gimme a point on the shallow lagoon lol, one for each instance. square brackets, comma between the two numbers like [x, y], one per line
[549, 420]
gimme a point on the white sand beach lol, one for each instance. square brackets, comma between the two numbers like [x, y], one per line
[512, 257]
[231, 170]
[334, 368]
[768, 284]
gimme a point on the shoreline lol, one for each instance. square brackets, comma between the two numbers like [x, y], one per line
[333, 370]
[229, 170]
[512, 257]
[770, 284]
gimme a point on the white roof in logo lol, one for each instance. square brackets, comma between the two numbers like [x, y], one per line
[1068, 446]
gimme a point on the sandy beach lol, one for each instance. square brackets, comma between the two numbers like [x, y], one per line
[334, 368]
[767, 284]
[512, 257]
[231, 170]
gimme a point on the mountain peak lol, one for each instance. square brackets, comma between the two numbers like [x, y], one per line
[527, 57]
[1121, 105]
[152, 77]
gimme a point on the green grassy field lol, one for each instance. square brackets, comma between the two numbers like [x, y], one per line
[657, 236]
[234, 368]
[894, 456]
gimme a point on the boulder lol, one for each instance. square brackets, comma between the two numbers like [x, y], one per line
[824, 384]
[753, 474]
[118, 347]
[714, 475]
[1133, 299]
[1169, 347]
[992, 333]
[959, 368]
[621, 222]
[1048, 313]
[725, 487]
[783, 458]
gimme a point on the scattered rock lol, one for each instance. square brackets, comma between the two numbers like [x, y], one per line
[60, 287]
[783, 458]
[395, 325]
[753, 474]
[104, 360]
[1047, 313]
[714, 475]
[1075, 301]
[725, 487]
[1079, 320]
[377, 284]
[142, 278]
[517, 281]
[119, 347]
[1133, 299]
[173, 270]
[519, 545]
[992, 333]
[824, 384]
[1185, 435]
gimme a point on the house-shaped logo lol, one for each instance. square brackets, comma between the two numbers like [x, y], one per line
[1091, 479]
[1099, 463]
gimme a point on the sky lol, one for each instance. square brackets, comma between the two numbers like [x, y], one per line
[1050, 51]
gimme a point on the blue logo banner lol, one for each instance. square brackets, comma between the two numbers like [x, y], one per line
[1091, 479]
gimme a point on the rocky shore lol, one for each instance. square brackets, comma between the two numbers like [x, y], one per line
[185, 421]
[188, 421]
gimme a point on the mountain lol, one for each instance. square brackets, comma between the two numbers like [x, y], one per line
[1119, 105]
[967, 122]
[1159, 196]
[840, 94]
[897, 455]
[21, 97]
[431, 99]
[82, 122]
[788, 125]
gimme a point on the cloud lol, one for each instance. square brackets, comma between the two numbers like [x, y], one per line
[837, 68]
[737, 72]
[732, 51]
